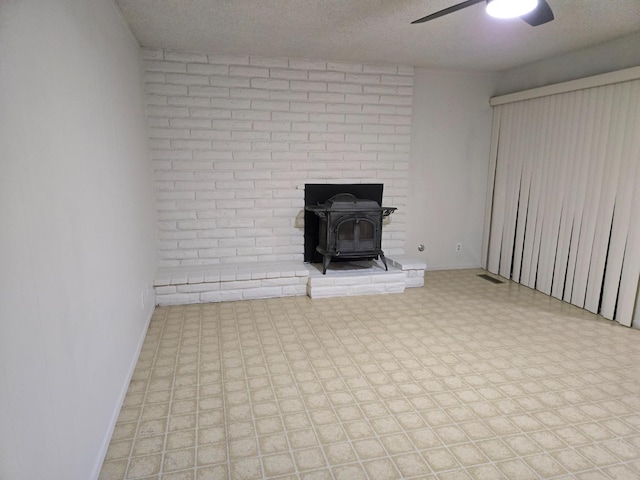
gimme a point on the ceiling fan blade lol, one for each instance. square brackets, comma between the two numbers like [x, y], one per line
[447, 11]
[541, 14]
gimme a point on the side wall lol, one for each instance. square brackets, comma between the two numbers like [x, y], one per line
[235, 138]
[77, 235]
[449, 165]
[610, 56]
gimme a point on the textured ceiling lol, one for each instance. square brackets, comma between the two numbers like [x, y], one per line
[376, 31]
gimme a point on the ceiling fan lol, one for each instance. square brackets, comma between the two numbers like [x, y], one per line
[534, 12]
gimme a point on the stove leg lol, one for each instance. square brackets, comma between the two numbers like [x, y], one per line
[384, 260]
[325, 263]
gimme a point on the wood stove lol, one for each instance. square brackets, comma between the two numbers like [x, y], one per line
[350, 227]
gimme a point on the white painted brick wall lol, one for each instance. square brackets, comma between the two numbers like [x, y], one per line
[235, 138]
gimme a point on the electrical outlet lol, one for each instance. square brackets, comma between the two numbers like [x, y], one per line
[142, 298]
[458, 247]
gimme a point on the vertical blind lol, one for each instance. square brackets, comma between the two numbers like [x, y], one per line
[563, 212]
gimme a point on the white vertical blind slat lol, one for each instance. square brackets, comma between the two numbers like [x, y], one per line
[623, 196]
[630, 278]
[500, 190]
[555, 194]
[592, 198]
[611, 158]
[532, 120]
[495, 131]
[586, 126]
[535, 157]
[514, 172]
[545, 162]
[571, 160]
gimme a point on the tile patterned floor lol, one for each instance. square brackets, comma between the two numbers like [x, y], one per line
[461, 379]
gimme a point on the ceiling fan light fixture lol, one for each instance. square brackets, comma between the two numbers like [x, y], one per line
[510, 8]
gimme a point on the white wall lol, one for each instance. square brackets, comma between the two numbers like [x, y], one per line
[448, 166]
[607, 57]
[77, 232]
[235, 138]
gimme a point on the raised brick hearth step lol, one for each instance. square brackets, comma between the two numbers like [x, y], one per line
[355, 278]
[220, 283]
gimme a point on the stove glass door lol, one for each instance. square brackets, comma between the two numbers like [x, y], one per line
[355, 235]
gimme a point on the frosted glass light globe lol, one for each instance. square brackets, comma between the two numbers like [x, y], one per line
[510, 8]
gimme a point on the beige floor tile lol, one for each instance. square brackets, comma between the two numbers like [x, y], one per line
[522, 445]
[517, 469]
[458, 474]
[622, 449]
[591, 475]
[303, 439]
[485, 472]
[468, 454]
[451, 434]
[274, 444]
[148, 445]
[246, 469]
[182, 422]
[123, 431]
[207, 435]
[440, 459]
[113, 470]
[118, 450]
[309, 459]
[359, 429]
[243, 447]
[183, 475]
[382, 469]
[178, 460]
[279, 464]
[181, 439]
[369, 448]
[349, 472]
[340, 453]
[144, 466]
[212, 454]
[397, 443]
[424, 439]
[572, 461]
[349, 413]
[545, 465]
[323, 474]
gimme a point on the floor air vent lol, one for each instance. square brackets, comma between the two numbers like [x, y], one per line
[490, 278]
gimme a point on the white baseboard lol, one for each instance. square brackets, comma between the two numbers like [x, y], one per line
[453, 267]
[123, 393]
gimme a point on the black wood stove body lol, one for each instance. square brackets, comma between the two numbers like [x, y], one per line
[350, 227]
